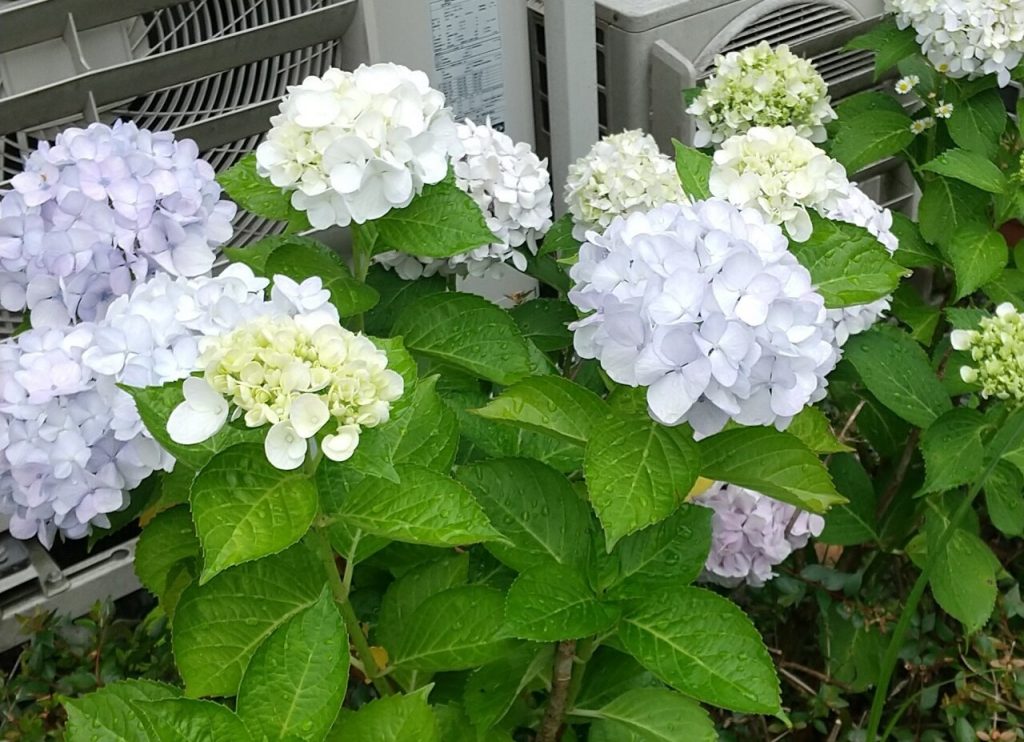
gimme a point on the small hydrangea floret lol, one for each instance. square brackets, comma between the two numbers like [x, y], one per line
[761, 86]
[997, 349]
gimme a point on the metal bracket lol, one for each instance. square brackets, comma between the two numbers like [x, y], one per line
[671, 73]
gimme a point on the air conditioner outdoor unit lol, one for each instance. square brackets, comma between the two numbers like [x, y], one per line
[650, 50]
[214, 71]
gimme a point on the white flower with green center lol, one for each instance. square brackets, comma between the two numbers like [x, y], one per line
[997, 349]
[761, 86]
[298, 374]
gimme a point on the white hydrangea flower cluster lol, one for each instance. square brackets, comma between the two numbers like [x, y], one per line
[351, 146]
[512, 187]
[297, 373]
[997, 348]
[779, 173]
[706, 307]
[966, 38]
[98, 210]
[858, 209]
[621, 174]
[761, 86]
[751, 533]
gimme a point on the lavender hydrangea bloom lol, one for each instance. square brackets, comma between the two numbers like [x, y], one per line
[751, 533]
[100, 209]
[705, 306]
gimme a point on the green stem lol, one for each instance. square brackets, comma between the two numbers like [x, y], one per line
[910, 606]
[355, 630]
[584, 651]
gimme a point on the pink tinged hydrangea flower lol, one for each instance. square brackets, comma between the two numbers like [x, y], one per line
[705, 306]
[100, 209]
[751, 534]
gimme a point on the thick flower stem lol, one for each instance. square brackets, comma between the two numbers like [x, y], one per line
[355, 630]
[561, 675]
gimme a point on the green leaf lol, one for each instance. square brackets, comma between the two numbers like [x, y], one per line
[978, 255]
[166, 541]
[295, 682]
[896, 370]
[889, 42]
[548, 404]
[853, 522]
[610, 673]
[978, 123]
[456, 629]
[155, 404]
[776, 464]
[408, 592]
[913, 251]
[694, 169]
[107, 715]
[553, 602]
[672, 552]
[425, 508]
[258, 195]
[388, 719]
[815, 431]
[301, 258]
[218, 626]
[704, 646]
[395, 295]
[869, 137]
[852, 648]
[354, 544]
[468, 332]
[953, 450]
[970, 167]
[558, 239]
[1009, 286]
[866, 101]
[922, 318]
[492, 689]
[440, 222]
[659, 715]
[963, 580]
[256, 254]
[637, 473]
[946, 206]
[1004, 498]
[544, 322]
[188, 720]
[535, 508]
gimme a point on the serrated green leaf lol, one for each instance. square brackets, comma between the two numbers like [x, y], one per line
[173, 490]
[167, 540]
[155, 404]
[218, 626]
[814, 429]
[953, 450]
[425, 508]
[107, 715]
[301, 258]
[889, 42]
[970, 167]
[258, 195]
[395, 295]
[853, 522]
[388, 719]
[245, 508]
[440, 222]
[558, 239]
[492, 689]
[852, 648]
[1009, 286]
[694, 170]
[963, 580]
[456, 629]
[638, 472]
[354, 544]
[545, 322]
[659, 715]
[468, 332]
[548, 404]
[776, 464]
[1004, 498]
[535, 508]
[946, 206]
[922, 318]
[913, 251]
[188, 720]
[896, 371]
[408, 592]
[704, 646]
[553, 602]
[978, 123]
[870, 136]
[256, 254]
[978, 255]
[295, 682]
[866, 101]
[610, 673]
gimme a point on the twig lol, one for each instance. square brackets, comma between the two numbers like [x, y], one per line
[797, 682]
[835, 730]
[561, 674]
[816, 674]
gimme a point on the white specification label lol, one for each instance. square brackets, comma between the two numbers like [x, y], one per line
[467, 55]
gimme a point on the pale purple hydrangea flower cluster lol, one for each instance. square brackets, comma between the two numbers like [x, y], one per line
[100, 209]
[706, 307]
[751, 533]
[512, 187]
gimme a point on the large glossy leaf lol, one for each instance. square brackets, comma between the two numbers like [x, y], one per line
[168, 542]
[978, 255]
[188, 720]
[854, 521]
[545, 321]
[301, 258]
[553, 602]
[408, 592]
[257, 194]
[388, 719]
[658, 715]
[870, 136]
[970, 167]
[694, 170]
[946, 206]
[492, 689]
[664, 555]
[978, 123]
[953, 450]
[548, 404]
[107, 715]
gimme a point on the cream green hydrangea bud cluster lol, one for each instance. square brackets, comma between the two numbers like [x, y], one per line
[761, 86]
[998, 349]
[298, 374]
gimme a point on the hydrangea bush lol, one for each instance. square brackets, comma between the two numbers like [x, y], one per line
[374, 504]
